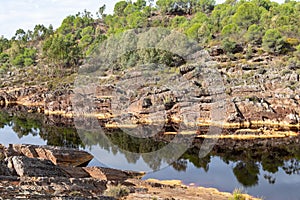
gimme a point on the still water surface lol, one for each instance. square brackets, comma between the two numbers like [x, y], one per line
[269, 173]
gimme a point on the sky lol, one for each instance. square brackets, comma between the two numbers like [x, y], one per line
[25, 14]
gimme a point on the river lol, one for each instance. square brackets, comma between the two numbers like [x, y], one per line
[267, 169]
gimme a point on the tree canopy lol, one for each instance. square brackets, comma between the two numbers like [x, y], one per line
[266, 24]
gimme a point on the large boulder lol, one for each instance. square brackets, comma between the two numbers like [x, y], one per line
[57, 155]
[34, 167]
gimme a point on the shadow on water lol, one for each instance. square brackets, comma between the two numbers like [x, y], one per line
[249, 161]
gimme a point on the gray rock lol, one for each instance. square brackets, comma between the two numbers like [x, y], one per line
[4, 170]
[33, 167]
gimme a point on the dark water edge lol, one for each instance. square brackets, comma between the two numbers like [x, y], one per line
[266, 168]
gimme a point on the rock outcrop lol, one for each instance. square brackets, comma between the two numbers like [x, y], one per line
[57, 155]
[256, 90]
[24, 175]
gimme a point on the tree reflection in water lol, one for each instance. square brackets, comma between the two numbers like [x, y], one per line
[246, 173]
[248, 157]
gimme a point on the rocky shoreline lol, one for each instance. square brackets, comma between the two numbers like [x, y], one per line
[252, 117]
[35, 172]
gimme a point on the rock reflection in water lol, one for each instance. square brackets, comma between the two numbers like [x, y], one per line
[249, 158]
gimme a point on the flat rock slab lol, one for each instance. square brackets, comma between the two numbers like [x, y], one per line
[112, 174]
[57, 155]
[155, 189]
[34, 167]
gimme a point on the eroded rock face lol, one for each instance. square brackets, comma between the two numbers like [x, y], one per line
[261, 91]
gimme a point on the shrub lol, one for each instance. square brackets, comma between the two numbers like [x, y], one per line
[28, 61]
[117, 191]
[292, 41]
[228, 45]
[237, 195]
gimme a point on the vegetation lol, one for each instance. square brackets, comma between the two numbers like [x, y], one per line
[117, 191]
[237, 195]
[234, 25]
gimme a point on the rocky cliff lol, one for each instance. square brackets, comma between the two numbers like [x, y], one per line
[255, 93]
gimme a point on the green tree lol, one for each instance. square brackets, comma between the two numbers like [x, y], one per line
[192, 32]
[204, 33]
[67, 25]
[4, 58]
[205, 6]
[246, 15]
[228, 45]
[273, 42]
[232, 31]
[40, 32]
[20, 35]
[266, 4]
[4, 44]
[25, 57]
[221, 16]
[62, 51]
[87, 36]
[18, 60]
[101, 10]
[164, 6]
[120, 7]
[136, 20]
[130, 8]
[294, 62]
[178, 21]
[254, 34]
[140, 4]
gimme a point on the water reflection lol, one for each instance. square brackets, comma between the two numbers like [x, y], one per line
[24, 124]
[249, 161]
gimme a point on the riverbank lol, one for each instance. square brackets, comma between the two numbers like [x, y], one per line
[35, 172]
[49, 103]
[256, 97]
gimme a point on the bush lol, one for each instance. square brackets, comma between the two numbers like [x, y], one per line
[117, 191]
[228, 45]
[28, 61]
[177, 21]
[292, 41]
[18, 61]
[237, 195]
[4, 57]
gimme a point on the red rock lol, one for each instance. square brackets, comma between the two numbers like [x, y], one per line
[95, 172]
[112, 174]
